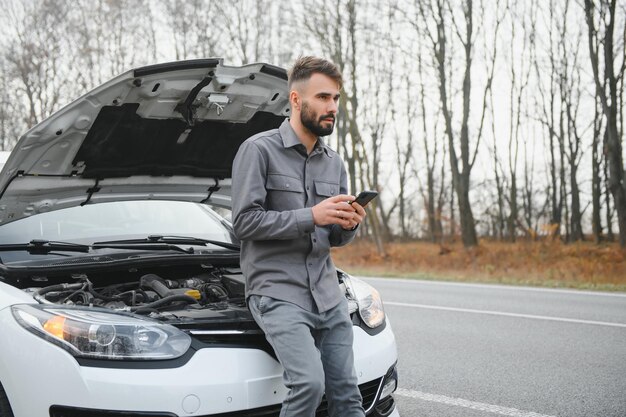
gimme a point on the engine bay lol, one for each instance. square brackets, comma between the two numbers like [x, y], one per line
[208, 292]
[183, 291]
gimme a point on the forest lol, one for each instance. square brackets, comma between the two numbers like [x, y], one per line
[475, 119]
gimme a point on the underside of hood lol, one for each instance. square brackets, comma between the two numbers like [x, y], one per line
[122, 144]
[167, 131]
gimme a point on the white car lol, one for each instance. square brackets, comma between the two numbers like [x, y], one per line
[120, 287]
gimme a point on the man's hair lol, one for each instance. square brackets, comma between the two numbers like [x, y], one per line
[306, 66]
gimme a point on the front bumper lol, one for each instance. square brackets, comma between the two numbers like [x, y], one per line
[37, 375]
[385, 408]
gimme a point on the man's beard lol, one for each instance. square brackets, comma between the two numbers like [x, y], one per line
[313, 123]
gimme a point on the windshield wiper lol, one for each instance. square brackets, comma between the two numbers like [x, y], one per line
[150, 243]
[45, 246]
[169, 239]
[140, 246]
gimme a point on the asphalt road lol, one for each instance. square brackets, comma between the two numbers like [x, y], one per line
[486, 350]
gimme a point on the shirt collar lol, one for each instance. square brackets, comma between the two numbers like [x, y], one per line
[290, 139]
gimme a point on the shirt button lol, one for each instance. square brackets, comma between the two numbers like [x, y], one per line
[314, 240]
[312, 289]
[307, 187]
[287, 185]
[310, 264]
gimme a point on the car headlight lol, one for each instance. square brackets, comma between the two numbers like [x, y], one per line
[370, 305]
[99, 334]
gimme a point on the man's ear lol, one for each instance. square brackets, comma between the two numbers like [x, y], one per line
[295, 100]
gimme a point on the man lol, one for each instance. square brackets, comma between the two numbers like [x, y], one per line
[290, 205]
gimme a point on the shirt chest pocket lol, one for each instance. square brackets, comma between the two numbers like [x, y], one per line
[284, 192]
[324, 190]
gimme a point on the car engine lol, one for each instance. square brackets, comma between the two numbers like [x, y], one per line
[217, 289]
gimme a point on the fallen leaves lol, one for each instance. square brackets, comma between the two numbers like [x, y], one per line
[545, 263]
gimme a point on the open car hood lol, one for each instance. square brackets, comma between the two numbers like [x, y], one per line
[167, 132]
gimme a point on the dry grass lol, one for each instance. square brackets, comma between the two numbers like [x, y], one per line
[551, 264]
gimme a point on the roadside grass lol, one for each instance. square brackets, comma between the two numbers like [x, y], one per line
[551, 264]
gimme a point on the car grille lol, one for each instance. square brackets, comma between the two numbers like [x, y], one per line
[62, 411]
[368, 392]
[386, 406]
[249, 339]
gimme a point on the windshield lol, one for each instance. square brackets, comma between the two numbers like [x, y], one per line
[119, 220]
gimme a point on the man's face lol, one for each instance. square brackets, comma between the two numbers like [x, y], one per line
[320, 96]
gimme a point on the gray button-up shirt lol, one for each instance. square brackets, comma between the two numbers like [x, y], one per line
[284, 255]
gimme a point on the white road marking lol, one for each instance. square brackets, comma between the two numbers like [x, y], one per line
[460, 402]
[502, 313]
[495, 286]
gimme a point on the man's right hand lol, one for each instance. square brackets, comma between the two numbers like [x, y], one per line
[336, 210]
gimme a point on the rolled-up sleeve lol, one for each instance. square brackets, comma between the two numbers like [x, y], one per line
[251, 218]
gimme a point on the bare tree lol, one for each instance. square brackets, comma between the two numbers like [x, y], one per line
[596, 179]
[376, 125]
[10, 125]
[192, 36]
[433, 212]
[109, 37]
[498, 171]
[515, 107]
[570, 137]
[34, 58]
[445, 15]
[423, 118]
[248, 26]
[404, 155]
[600, 18]
[548, 108]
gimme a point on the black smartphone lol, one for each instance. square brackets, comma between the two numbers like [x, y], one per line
[365, 197]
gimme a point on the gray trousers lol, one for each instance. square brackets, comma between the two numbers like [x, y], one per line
[315, 350]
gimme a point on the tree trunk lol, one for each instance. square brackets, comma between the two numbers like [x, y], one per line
[461, 178]
[610, 236]
[512, 219]
[609, 106]
[596, 221]
[468, 230]
[575, 219]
